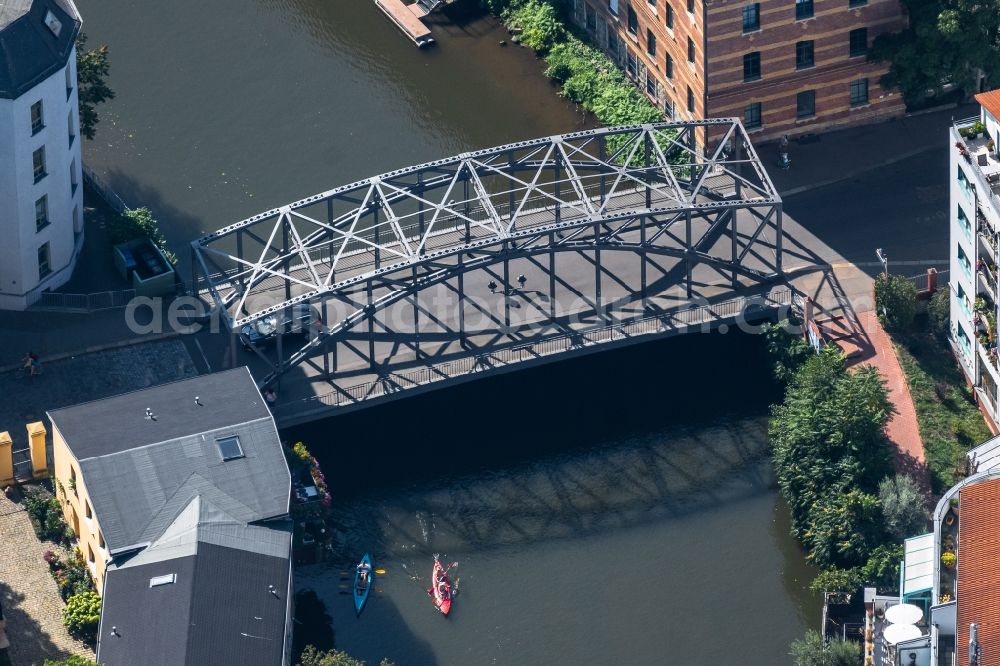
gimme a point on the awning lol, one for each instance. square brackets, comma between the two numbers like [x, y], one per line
[918, 564]
[985, 457]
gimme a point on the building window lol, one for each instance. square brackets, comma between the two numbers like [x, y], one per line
[72, 470]
[805, 104]
[690, 100]
[612, 41]
[669, 66]
[44, 268]
[669, 110]
[751, 17]
[37, 122]
[42, 212]
[633, 21]
[859, 92]
[591, 18]
[87, 510]
[803, 9]
[69, 128]
[90, 553]
[631, 64]
[72, 177]
[859, 42]
[651, 86]
[751, 116]
[690, 6]
[229, 448]
[804, 55]
[751, 66]
[690, 50]
[100, 539]
[69, 80]
[650, 43]
[669, 16]
[38, 163]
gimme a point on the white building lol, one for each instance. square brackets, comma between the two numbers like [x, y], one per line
[975, 221]
[41, 198]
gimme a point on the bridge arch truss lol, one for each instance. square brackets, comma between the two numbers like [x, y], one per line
[651, 190]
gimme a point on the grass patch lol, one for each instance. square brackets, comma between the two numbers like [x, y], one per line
[950, 422]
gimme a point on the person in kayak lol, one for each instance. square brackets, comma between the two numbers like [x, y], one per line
[364, 570]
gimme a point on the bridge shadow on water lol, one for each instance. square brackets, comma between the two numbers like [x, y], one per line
[662, 429]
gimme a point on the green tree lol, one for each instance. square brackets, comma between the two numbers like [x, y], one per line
[838, 582]
[946, 41]
[787, 349]
[903, 506]
[814, 651]
[895, 301]
[72, 660]
[830, 452]
[882, 567]
[313, 657]
[82, 615]
[92, 69]
[939, 312]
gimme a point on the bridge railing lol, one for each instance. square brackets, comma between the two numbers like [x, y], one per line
[520, 352]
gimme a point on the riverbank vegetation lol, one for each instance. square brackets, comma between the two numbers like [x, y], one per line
[950, 422]
[814, 651]
[587, 76]
[834, 466]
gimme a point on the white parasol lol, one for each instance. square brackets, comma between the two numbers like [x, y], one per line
[903, 614]
[897, 633]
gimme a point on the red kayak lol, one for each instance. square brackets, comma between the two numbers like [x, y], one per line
[441, 587]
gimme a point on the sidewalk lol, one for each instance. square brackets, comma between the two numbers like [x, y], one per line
[874, 348]
[824, 159]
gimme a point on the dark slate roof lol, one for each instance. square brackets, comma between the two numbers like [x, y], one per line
[227, 398]
[139, 483]
[29, 51]
[220, 610]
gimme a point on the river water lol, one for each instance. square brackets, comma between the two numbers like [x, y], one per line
[617, 508]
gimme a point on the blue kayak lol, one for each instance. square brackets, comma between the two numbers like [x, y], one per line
[363, 588]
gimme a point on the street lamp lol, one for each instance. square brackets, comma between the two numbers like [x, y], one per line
[884, 259]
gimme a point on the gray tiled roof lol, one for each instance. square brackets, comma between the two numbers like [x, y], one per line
[220, 610]
[29, 51]
[226, 399]
[140, 474]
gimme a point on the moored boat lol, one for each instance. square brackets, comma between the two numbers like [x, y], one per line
[363, 581]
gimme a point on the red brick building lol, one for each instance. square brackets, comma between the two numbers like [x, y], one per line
[783, 66]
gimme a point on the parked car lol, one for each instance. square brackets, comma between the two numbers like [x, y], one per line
[296, 320]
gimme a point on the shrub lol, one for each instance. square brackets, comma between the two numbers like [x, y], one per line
[814, 651]
[939, 312]
[902, 506]
[82, 615]
[313, 657]
[45, 513]
[135, 224]
[895, 301]
[539, 24]
[882, 568]
[72, 660]
[838, 582]
[788, 350]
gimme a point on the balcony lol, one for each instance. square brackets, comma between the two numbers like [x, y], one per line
[987, 270]
[980, 153]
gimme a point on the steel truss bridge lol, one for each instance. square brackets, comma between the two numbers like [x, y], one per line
[480, 252]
